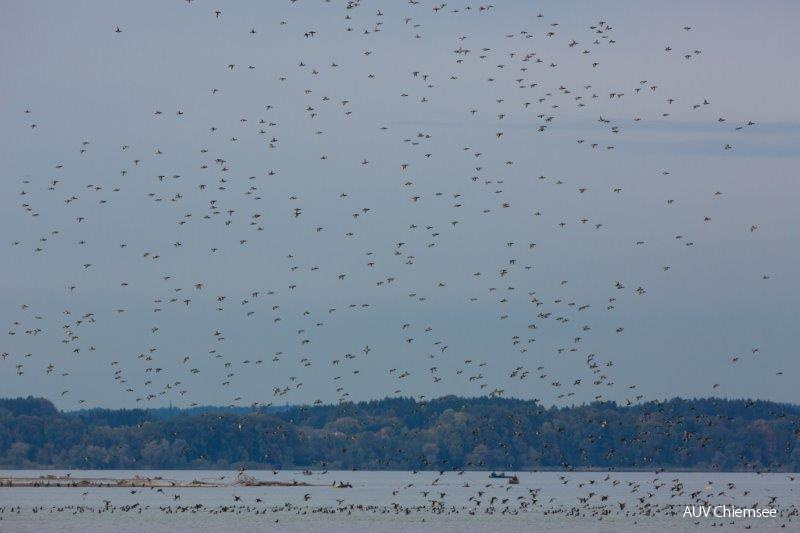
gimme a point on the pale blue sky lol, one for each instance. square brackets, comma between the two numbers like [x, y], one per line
[84, 82]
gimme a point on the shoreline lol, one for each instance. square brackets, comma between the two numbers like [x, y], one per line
[53, 481]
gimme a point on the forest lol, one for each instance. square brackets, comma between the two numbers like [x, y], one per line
[400, 433]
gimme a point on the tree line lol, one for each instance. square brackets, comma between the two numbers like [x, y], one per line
[401, 433]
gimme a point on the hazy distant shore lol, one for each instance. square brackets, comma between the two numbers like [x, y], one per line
[705, 435]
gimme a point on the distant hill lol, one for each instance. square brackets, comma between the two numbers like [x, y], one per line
[127, 417]
[400, 433]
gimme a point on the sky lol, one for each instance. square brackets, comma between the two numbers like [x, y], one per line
[96, 268]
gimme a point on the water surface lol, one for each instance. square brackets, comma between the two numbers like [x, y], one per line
[401, 502]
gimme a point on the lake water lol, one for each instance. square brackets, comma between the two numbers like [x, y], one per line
[403, 502]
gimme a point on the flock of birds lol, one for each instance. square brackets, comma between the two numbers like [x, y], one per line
[405, 265]
[609, 498]
[360, 247]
